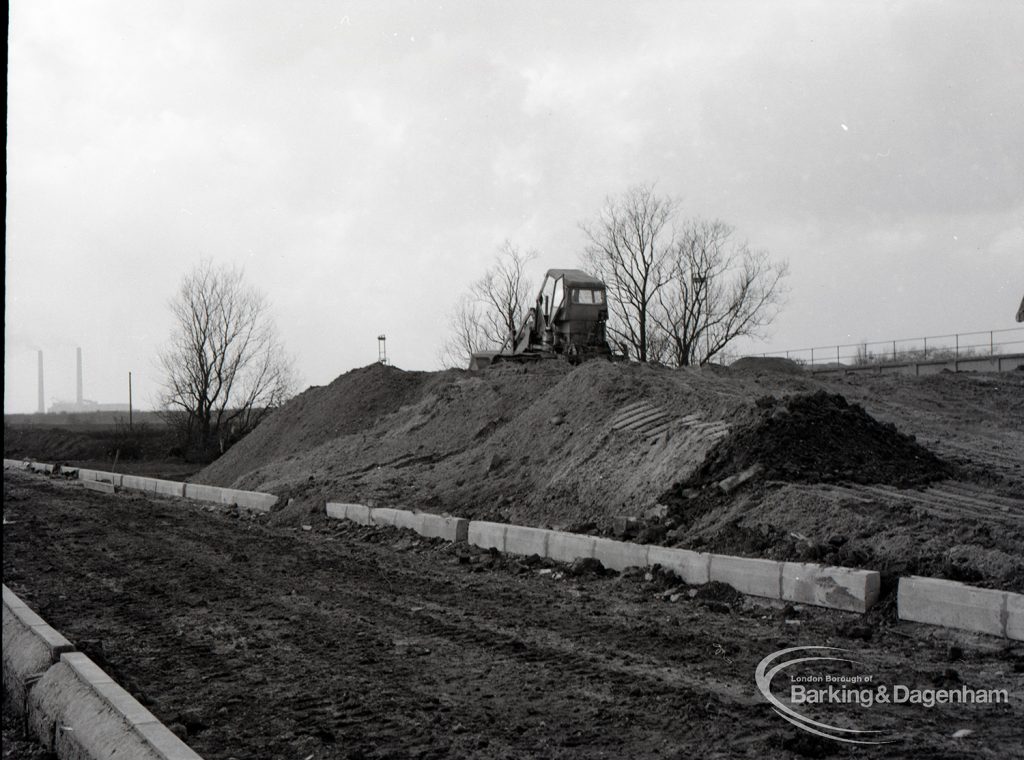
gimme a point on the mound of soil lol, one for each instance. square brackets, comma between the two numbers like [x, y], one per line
[820, 438]
[352, 403]
[767, 364]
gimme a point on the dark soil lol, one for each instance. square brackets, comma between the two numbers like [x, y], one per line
[273, 642]
[820, 438]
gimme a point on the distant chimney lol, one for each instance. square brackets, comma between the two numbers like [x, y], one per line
[78, 396]
[42, 398]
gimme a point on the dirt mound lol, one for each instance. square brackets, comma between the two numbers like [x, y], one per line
[820, 438]
[554, 445]
[352, 403]
[767, 364]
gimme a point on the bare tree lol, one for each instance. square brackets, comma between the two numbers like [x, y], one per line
[627, 248]
[466, 333]
[678, 292]
[224, 367]
[716, 290]
[492, 310]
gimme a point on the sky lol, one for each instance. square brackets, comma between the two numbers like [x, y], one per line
[364, 161]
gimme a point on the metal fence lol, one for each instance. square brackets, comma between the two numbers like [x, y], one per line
[929, 348]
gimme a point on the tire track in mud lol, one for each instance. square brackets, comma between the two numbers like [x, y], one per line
[949, 499]
[354, 642]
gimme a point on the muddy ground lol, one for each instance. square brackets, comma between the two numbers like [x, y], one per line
[900, 474]
[894, 473]
[262, 640]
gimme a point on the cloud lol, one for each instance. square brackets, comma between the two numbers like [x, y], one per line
[365, 161]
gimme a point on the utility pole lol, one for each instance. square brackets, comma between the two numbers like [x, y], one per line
[382, 350]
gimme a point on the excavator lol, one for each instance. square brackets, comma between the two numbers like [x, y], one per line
[567, 321]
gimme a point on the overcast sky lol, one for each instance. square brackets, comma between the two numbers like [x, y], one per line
[364, 160]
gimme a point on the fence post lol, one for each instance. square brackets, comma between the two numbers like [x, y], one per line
[926, 349]
[956, 352]
[894, 350]
[991, 347]
[839, 362]
[812, 357]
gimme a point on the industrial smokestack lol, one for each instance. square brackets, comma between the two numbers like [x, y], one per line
[78, 395]
[42, 398]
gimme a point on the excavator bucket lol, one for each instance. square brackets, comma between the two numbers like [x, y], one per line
[481, 360]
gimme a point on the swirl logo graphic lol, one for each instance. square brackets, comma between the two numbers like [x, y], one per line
[768, 669]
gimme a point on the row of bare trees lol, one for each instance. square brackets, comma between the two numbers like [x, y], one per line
[680, 291]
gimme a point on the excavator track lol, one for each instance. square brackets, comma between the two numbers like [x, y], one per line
[651, 422]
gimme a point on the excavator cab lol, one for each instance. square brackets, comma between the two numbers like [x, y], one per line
[572, 310]
[567, 320]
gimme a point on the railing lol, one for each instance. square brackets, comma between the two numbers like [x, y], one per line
[930, 348]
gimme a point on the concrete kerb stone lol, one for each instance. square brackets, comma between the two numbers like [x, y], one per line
[839, 588]
[200, 492]
[383, 516]
[261, 502]
[30, 647]
[618, 555]
[487, 535]
[526, 541]
[78, 711]
[692, 567]
[566, 547]
[449, 528]
[75, 709]
[756, 577]
[958, 605]
[138, 483]
[100, 476]
[357, 513]
[15, 464]
[424, 523]
[409, 520]
[1014, 616]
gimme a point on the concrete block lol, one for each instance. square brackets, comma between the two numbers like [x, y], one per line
[409, 520]
[757, 577]
[526, 541]
[1014, 616]
[618, 555]
[840, 588]
[30, 647]
[254, 500]
[952, 604]
[565, 547]
[203, 493]
[100, 476]
[15, 464]
[487, 535]
[448, 528]
[136, 483]
[97, 485]
[260, 502]
[166, 744]
[383, 516]
[168, 487]
[357, 513]
[77, 711]
[692, 567]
